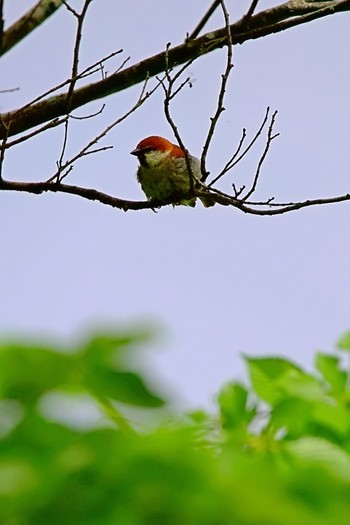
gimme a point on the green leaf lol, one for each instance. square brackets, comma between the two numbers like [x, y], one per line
[329, 366]
[199, 417]
[333, 417]
[105, 347]
[293, 415]
[344, 342]
[233, 405]
[26, 371]
[304, 386]
[323, 454]
[275, 379]
[266, 374]
[103, 357]
[300, 417]
[263, 374]
[127, 387]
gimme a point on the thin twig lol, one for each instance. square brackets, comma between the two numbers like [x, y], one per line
[168, 95]
[270, 138]
[2, 150]
[251, 10]
[231, 160]
[54, 123]
[91, 115]
[90, 70]
[85, 150]
[234, 160]
[2, 155]
[237, 192]
[203, 21]
[120, 67]
[2, 23]
[79, 32]
[10, 90]
[70, 8]
[220, 104]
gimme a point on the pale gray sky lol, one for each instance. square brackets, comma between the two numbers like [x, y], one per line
[217, 282]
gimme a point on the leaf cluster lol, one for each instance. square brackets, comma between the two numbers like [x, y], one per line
[277, 452]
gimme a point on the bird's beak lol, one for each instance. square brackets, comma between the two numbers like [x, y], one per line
[135, 152]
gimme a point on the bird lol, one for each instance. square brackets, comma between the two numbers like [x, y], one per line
[163, 173]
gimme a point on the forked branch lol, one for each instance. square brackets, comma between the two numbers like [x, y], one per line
[267, 22]
[50, 110]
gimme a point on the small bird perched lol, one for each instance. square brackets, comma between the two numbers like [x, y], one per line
[163, 172]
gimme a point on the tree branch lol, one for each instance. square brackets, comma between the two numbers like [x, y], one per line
[74, 77]
[64, 168]
[91, 194]
[270, 138]
[2, 23]
[220, 103]
[267, 22]
[30, 21]
[204, 20]
[237, 157]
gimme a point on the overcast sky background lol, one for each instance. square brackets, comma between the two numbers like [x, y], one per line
[216, 283]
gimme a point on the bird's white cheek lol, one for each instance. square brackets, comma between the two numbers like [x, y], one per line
[155, 158]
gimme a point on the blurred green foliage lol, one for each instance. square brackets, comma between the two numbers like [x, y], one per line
[276, 453]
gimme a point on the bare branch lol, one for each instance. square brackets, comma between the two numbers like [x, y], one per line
[234, 160]
[270, 138]
[10, 90]
[91, 115]
[81, 19]
[261, 24]
[295, 205]
[251, 10]
[87, 193]
[57, 121]
[220, 105]
[204, 20]
[168, 84]
[53, 124]
[122, 204]
[2, 155]
[2, 23]
[27, 23]
[48, 110]
[70, 8]
[80, 22]
[237, 157]
[86, 150]
[230, 163]
[90, 70]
